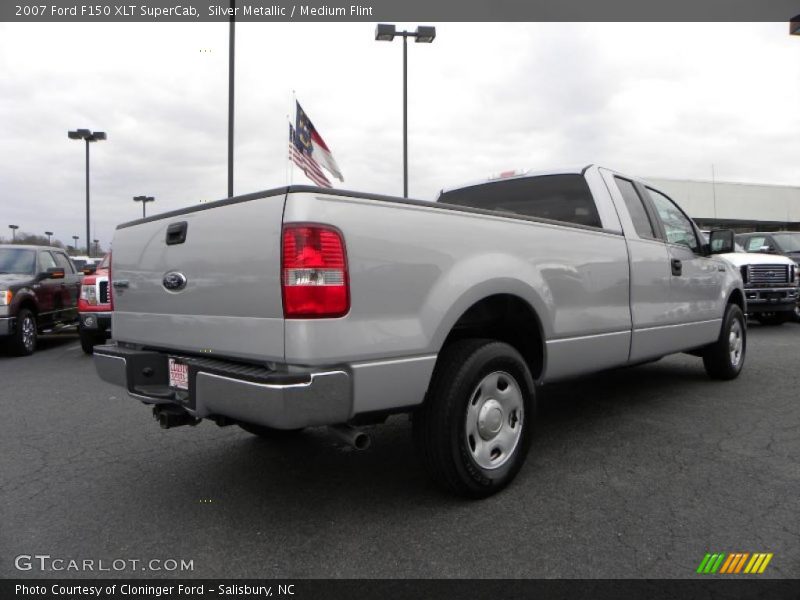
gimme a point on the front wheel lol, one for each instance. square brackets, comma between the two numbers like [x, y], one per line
[474, 429]
[23, 342]
[90, 339]
[724, 358]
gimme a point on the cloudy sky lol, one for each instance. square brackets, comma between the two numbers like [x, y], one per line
[665, 100]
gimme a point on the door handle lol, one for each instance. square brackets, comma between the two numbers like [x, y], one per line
[677, 266]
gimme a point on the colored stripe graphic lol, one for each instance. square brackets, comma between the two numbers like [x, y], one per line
[727, 564]
[735, 563]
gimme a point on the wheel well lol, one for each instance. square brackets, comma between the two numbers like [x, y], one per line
[737, 298]
[29, 304]
[506, 318]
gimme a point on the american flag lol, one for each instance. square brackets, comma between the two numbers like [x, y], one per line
[299, 156]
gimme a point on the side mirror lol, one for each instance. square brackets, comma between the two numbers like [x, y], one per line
[55, 273]
[89, 270]
[721, 241]
[767, 249]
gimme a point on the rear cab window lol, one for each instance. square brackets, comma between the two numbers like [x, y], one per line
[565, 198]
[636, 209]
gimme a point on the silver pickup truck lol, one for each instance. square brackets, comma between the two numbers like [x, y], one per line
[301, 306]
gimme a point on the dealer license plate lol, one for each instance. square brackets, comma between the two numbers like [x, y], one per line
[178, 374]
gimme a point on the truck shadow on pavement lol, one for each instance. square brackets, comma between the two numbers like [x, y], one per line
[44, 343]
[314, 463]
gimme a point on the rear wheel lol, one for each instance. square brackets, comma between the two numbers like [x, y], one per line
[23, 342]
[474, 429]
[724, 358]
[269, 432]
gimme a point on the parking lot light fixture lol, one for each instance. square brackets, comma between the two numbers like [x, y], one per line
[144, 200]
[75, 242]
[424, 34]
[49, 235]
[87, 136]
[13, 229]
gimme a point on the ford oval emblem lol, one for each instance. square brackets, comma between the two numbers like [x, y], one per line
[174, 281]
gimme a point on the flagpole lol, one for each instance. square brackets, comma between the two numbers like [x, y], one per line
[292, 108]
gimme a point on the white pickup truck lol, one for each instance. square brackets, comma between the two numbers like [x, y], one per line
[302, 306]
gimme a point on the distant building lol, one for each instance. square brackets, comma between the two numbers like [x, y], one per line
[739, 206]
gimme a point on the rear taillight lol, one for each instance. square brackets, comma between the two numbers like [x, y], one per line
[314, 273]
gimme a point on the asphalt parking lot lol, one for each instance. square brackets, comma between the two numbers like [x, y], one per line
[634, 473]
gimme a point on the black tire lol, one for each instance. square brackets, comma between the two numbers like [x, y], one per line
[269, 432]
[23, 342]
[455, 398]
[720, 359]
[90, 339]
[774, 318]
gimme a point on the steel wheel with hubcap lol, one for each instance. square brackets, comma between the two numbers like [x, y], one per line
[494, 420]
[474, 428]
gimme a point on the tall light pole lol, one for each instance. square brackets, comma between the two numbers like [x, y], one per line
[231, 53]
[88, 137]
[96, 246]
[75, 242]
[424, 34]
[49, 234]
[13, 229]
[144, 200]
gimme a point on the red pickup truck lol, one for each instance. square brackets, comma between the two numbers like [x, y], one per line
[94, 307]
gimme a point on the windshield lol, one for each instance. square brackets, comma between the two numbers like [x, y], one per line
[105, 262]
[17, 260]
[789, 242]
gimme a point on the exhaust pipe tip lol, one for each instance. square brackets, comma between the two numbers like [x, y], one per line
[362, 441]
[355, 438]
[172, 416]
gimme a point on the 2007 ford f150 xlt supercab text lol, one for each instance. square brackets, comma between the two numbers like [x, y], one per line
[304, 306]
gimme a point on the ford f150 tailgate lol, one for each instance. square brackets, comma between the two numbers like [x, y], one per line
[204, 280]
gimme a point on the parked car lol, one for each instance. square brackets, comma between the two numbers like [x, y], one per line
[38, 294]
[94, 306]
[328, 307]
[771, 285]
[786, 243]
[85, 263]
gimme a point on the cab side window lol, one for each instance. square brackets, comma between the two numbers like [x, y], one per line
[46, 261]
[678, 227]
[64, 263]
[754, 244]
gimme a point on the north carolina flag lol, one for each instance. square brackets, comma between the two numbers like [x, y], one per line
[313, 144]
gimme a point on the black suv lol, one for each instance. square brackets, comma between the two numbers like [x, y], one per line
[39, 290]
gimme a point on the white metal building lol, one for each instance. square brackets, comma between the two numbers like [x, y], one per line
[739, 206]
